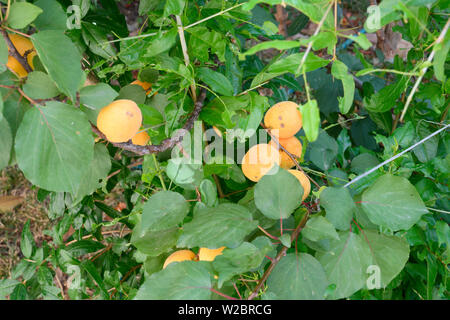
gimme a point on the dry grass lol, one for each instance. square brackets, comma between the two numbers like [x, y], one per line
[12, 182]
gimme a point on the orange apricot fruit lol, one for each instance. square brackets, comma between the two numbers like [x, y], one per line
[205, 254]
[283, 119]
[293, 146]
[120, 120]
[304, 181]
[145, 85]
[22, 45]
[178, 256]
[258, 160]
[141, 138]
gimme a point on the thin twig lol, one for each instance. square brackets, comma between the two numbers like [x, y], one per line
[424, 70]
[396, 156]
[166, 144]
[310, 44]
[277, 259]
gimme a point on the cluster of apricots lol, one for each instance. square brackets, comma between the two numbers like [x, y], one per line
[204, 254]
[23, 45]
[283, 120]
[121, 120]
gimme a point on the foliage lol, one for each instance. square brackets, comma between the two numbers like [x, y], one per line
[383, 236]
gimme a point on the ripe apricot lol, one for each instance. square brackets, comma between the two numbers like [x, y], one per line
[205, 254]
[304, 181]
[258, 160]
[22, 45]
[120, 120]
[141, 138]
[283, 119]
[178, 256]
[293, 146]
[145, 85]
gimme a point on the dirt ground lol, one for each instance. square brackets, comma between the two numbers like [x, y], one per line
[13, 183]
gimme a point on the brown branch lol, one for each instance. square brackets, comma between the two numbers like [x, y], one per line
[14, 52]
[166, 143]
[277, 259]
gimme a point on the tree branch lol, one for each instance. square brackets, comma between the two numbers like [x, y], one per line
[14, 52]
[280, 255]
[166, 143]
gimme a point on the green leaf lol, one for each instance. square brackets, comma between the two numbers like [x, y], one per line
[5, 143]
[22, 14]
[208, 193]
[426, 151]
[311, 119]
[202, 40]
[363, 162]
[54, 146]
[225, 225]
[53, 16]
[385, 99]
[362, 41]
[97, 41]
[319, 228]
[217, 81]
[186, 280]
[274, 44]
[133, 92]
[164, 210]
[7, 286]
[84, 246]
[184, 173]
[390, 254]
[339, 205]
[440, 57]
[246, 257]
[95, 173]
[277, 195]
[61, 59]
[340, 71]
[161, 44]
[393, 202]
[323, 151]
[285, 240]
[315, 10]
[3, 55]
[153, 243]
[346, 263]
[27, 241]
[252, 116]
[174, 7]
[289, 64]
[298, 277]
[94, 98]
[40, 86]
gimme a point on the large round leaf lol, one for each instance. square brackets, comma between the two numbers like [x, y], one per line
[393, 202]
[390, 254]
[187, 280]
[224, 225]
[298, 277]
[54, 146]
[278, 195]
[346, 263]
[164, 210]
